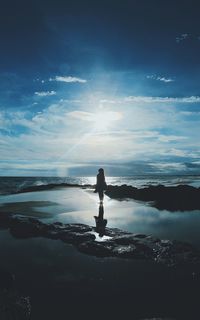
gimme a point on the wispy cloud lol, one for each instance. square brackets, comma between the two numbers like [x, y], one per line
[187, 36]
[63, 134]
[182, 37]
[39, 80]
[159, 78]
[190, 113]
[169, 167]
[68, 79]
[90, 116]
[175, 153]
[170, 138]
[150, 99]
[45, 93]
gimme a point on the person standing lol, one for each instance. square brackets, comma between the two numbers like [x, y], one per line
[101, 184]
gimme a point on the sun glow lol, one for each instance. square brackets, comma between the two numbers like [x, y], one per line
[104, 120]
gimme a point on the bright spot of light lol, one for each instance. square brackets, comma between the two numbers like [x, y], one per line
[103, 120]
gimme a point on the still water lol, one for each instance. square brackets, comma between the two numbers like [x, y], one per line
[63, 283]
[74, 205]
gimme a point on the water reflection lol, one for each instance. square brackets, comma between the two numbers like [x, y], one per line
[100, 221]
[132, 216]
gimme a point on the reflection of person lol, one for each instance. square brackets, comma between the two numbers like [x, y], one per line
[100, 221]
[101, 184]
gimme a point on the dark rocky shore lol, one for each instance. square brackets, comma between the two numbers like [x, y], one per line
[13, 305]
[182, 197]
[119, 244]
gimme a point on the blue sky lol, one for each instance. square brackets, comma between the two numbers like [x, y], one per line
[99, 83]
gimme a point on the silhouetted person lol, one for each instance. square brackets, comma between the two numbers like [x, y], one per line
[100, 221]
[101, 184]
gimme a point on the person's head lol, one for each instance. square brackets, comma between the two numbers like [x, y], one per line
[101, 171]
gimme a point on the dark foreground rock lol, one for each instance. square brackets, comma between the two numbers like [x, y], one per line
[158, 319]
[13, 305]
[175, 198]
[118, 244]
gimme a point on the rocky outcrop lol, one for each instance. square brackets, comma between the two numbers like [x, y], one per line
[118, 244]
[175, 198]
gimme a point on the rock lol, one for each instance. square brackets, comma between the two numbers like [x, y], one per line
[7, 280]
[158, 319]
[112, 232]
[120, 244]
[5, 219]
[125, 239]
[13, 305]
[98, 249]
[176, 253]
[76, 237]
[182, 197]
[128, 251]
[23, 227]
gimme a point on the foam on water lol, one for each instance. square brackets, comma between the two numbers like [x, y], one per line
[15, 184]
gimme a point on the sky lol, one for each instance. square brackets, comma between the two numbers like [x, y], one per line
[88, 84]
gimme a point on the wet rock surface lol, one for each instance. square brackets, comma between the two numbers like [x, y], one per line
[157, 319]
[182, 197]
[13, 305]
[119, 244]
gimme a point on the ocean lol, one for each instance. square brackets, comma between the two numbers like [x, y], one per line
[15, 184]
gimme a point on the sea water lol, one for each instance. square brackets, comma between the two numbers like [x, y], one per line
[16, 184]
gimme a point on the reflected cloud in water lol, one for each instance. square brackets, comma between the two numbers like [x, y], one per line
[71, 205]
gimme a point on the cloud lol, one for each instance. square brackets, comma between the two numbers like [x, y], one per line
[162, 79]
[190, 113]
[182, 37]
[81, 115]
[169, 167]
[170, 138]
[39, 80]
[175, 152]
[68, 79]
[64, 133]
[185, 36]
[96, 117]
[45, 93]
[150, 99]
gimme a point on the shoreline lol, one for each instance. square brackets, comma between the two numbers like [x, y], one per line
[172, 198]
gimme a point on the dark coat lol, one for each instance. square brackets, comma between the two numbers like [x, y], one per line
[101, 183]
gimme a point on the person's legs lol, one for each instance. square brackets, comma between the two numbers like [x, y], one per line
[101, 195]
